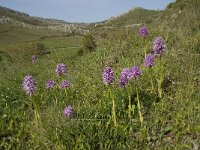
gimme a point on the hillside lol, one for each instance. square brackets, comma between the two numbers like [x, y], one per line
[179, 15]
[136, 16]
[21, 20]
[16, 27]
[131, 92]
[182, 15]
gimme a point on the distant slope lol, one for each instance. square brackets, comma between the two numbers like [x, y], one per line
[133, 17]
[16, 18]
[19, 16]
[16, 27]
[181, 16]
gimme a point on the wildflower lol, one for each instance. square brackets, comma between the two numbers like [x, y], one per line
[33, 59]
[134, 72]
[149, 60]
[65, 85]
[61, 69]
[50, 84]
[68, 112]
[158, 46]
[29, 85]
[123, 78]
[108, 75]
[143, 31]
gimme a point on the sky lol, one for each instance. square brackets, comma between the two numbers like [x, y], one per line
[81, 10]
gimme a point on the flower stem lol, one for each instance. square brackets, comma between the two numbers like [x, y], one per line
[54, 95]
[113, 106]
[160, 80]
[160, 88]
[152, 85]
[129, 102]
[36, 110]
[66, 92]
[129, 105]
[56, 100]
[139, 106]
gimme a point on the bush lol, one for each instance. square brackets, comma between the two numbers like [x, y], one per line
[89, 44]
[38, 48]
[80, 52]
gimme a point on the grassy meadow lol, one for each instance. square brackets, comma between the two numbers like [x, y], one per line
[158, 110]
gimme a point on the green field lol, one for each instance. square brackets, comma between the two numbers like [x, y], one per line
[158, 110]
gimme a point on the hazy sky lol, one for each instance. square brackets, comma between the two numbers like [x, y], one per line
[81, 10]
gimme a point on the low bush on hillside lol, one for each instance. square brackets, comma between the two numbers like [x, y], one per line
[89, 44]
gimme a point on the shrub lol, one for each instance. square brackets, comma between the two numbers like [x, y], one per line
[80, 52]
[38, 48]
[89, 44]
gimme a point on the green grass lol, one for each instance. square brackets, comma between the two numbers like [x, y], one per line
[62, 42]
[12, 34]
[55, 45]
[170, 122]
